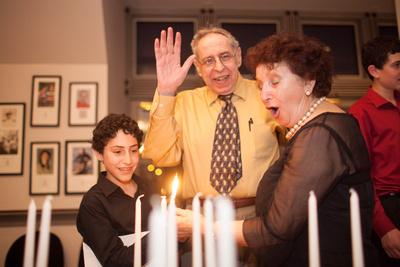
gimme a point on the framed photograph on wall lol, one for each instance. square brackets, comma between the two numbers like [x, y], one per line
[82, 103]
[82, 167]
[12, 135]
[45, 106]
[45, 168]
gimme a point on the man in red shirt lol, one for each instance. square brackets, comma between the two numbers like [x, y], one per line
[378, 114]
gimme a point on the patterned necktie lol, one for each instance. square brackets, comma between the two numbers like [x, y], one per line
[226, 162]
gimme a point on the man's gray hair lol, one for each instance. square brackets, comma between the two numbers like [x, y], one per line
[204, 31]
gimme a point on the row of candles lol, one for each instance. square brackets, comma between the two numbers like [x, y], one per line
[162, 249]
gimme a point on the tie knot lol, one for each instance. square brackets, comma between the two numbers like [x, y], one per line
[226, 98]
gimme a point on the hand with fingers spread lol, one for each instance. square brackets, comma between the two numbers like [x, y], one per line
[170, 73]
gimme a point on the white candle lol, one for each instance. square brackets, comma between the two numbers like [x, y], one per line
[44, 235]
[226, 245]
[157, 236]
[197, 260]
[172, 248]
[164, 205]
[172, 238]
[313, 239]
[138, 233]
[356, 239]
[209, 233]
[30, 235]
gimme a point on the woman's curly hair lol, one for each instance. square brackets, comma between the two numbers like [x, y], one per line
[305, 56]
[108, 127]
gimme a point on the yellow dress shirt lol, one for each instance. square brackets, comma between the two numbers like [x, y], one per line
[182, 130]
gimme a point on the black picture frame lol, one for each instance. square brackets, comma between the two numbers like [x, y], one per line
[44, 176]
[12, 138]
[82, 167]
[45, 101]
[83, 100]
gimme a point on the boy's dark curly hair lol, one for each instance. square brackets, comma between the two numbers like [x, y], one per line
[108, 127]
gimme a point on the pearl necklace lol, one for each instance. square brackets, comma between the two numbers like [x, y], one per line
[301, 122]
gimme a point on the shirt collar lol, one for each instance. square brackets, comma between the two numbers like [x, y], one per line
[240, 91]
[378, 100]
[106, 185]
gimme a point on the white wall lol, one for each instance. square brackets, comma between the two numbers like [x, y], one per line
[114, 25]
[47, 31]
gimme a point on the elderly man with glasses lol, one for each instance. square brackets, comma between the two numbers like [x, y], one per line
[221, 133]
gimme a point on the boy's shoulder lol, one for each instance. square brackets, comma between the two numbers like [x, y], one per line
[361, 105]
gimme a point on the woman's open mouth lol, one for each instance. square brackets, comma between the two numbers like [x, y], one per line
[274, 111]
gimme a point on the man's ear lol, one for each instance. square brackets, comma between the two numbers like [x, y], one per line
[238, 57]
[197, 65]
[373, 71]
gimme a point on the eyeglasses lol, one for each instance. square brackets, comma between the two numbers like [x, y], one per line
[224, 58]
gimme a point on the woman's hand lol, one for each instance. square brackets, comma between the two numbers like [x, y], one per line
[170, 74]
[184, 222]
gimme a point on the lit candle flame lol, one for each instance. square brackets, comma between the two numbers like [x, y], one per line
[175, 184]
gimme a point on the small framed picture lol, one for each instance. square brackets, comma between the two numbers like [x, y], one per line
[82, 167]
[12, 134]
[82, 103]
[45, 168]
[45, 106]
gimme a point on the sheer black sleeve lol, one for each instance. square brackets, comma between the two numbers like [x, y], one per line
[313, 161]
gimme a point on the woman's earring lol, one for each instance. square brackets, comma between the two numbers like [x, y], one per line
[308, 92]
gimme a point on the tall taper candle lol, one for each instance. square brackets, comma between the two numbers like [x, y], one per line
[164, 214]
[164, 205]
[209, 233]
[172, 237]
[138, 233]
[356, 238]
[44, 235]
[30, 235]
[226, 245]
[157, 239]
[197, 260]
[313, 238]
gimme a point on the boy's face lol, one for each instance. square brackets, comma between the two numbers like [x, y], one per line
[120, 158]
[389, 76]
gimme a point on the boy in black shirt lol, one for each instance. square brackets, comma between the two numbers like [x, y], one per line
[107, 210]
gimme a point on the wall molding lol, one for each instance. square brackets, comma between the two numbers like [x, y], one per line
[18, 217]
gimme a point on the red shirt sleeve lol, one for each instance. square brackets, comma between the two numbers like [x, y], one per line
[381, 223]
